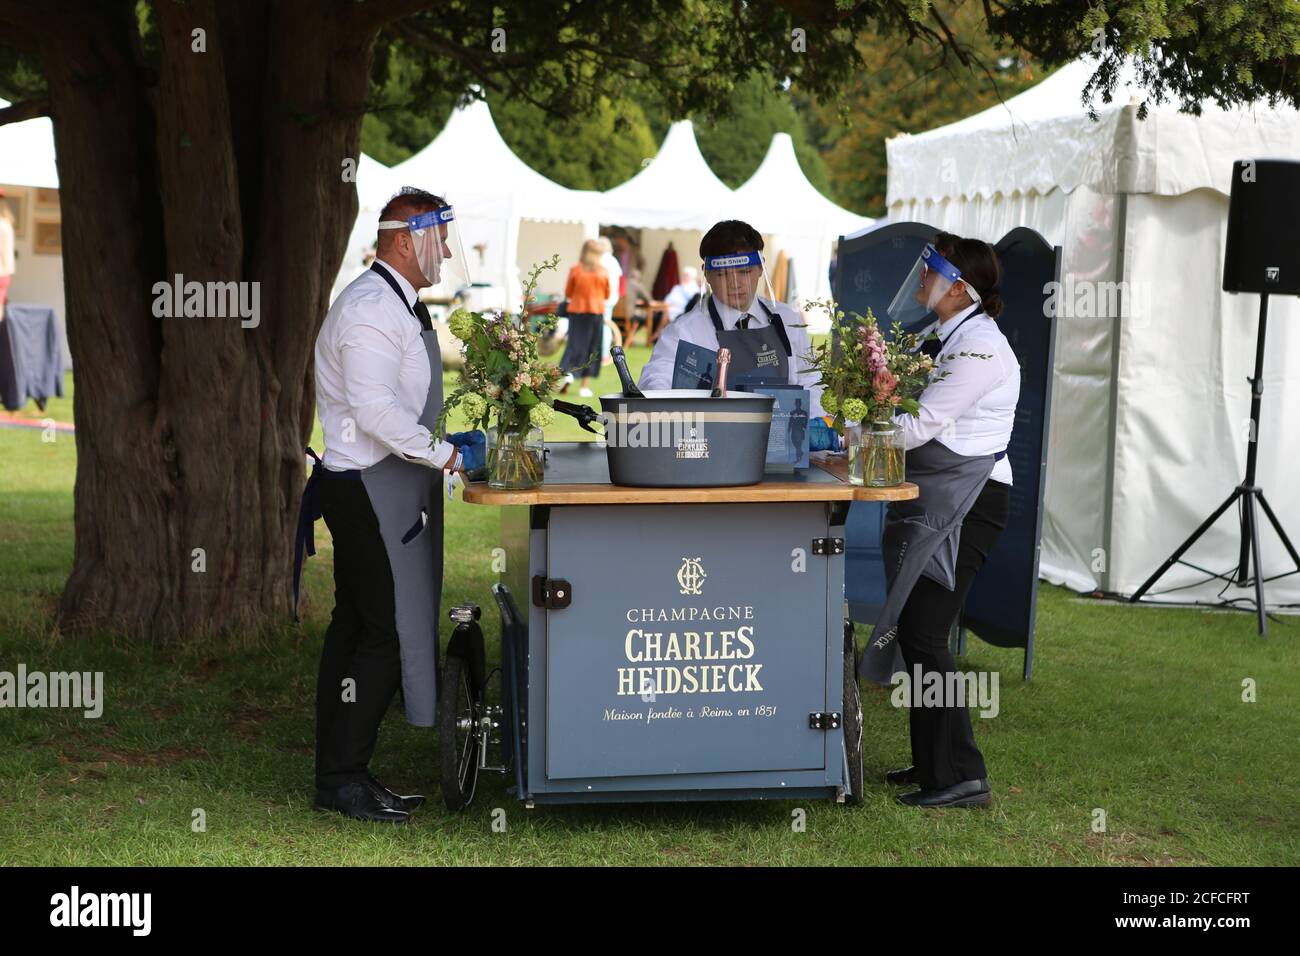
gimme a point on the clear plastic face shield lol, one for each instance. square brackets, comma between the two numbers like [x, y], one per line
[737, 279]
[435, 237]
[927, 283]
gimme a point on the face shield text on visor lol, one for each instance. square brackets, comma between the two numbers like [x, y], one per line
[438, 250]
[928, 281]
[737, 279]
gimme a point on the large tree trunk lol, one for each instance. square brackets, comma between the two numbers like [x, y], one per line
[225, 166]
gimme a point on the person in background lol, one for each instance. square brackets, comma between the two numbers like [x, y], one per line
[684, 295]
[610, 263]
[6, 252]
[587, 290]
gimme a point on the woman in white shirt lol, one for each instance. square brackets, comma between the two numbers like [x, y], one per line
[934, 546]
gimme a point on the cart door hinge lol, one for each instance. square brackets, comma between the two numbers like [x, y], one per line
[820, 721]
[551, 592]
[828, 545]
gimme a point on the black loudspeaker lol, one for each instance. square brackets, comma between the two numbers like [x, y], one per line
[1263, 250]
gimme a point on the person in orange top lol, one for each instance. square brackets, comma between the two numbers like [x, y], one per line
[586, 290]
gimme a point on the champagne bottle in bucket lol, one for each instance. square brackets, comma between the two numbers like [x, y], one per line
[724, 363]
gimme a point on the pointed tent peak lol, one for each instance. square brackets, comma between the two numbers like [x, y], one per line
[470, 162]
[779, 198]
[679, 157]
[675, 190]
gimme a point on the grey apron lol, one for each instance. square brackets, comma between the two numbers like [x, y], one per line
[407, 501]
[921, 537]
[764, 351]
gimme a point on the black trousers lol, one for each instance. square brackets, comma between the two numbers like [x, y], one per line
[582, 348]
[943, 743]
[361, 641]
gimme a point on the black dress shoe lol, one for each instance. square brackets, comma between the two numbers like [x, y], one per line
[360, 802]
[968, 793]
[396, 801]
[902, 777]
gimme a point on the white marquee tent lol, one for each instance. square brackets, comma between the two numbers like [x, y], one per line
[26, 164]
[778, 199]
[513, 215]
[673, 200]
[1150, 406]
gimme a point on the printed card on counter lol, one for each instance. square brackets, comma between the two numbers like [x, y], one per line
[695, 366]
[787, 442]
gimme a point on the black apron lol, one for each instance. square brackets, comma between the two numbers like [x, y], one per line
[764, 351]
[921, 536]
[406, 500]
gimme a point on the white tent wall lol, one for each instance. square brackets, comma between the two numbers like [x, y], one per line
[1183, 411]
[1150, 401]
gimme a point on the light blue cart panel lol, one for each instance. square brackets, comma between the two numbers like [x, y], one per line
[736, 623]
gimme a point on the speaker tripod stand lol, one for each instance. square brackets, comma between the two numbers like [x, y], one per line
[1249, 495]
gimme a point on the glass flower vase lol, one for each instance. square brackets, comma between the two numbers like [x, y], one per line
[875, 453]
[515, 459]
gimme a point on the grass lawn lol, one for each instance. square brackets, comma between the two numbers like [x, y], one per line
[1135, 711]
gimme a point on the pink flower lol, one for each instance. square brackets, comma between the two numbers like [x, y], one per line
[874, 343]
[883, 385]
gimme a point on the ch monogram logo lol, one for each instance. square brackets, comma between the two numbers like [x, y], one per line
[691, 575]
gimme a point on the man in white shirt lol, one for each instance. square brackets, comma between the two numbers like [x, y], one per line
[379, 394]
[615, 269]
[680, 296]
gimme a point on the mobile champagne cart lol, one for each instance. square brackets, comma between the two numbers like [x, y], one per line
[662, 643]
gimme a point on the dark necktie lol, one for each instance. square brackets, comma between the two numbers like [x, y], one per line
[744, 321]
[931, 347]
[422, 313]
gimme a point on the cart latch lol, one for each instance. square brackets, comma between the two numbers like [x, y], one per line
[551, 592]
[828, 545]
[820, 721]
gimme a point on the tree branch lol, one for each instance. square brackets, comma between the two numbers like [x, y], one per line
[26, 110]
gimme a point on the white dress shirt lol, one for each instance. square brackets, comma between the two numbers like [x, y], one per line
[679, 297]
[696, 328]
[372, 378]
[615, 270]
[972, 410]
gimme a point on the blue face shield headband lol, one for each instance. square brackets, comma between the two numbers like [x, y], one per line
[736, 279]
[435, 236]
[733, 260]
[927, 282]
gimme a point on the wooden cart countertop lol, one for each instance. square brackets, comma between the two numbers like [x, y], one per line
[772, 488]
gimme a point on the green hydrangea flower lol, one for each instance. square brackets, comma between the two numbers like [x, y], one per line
[461, 323]
[830, 404]
[541, 415]
[854, 409]
[473, 406]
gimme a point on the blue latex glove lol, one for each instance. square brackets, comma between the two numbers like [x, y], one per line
[472, 447]
[821, 437]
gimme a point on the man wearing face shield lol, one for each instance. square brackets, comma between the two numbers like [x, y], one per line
[738, 311]
[934, 545]
[379, 394]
